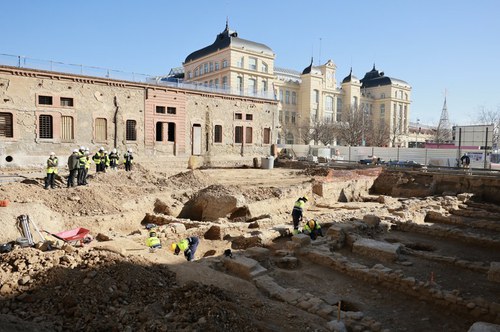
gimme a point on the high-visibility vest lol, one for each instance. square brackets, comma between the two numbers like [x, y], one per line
[52, 165]
[308, 229]
[183, 244]
[153, 241]
[82, 160]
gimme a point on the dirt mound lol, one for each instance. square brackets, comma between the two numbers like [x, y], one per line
[81, 290]
[193, 179]
[316, 171]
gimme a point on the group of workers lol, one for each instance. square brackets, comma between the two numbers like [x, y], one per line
[311, 227]
[187, 246]
[79, 163]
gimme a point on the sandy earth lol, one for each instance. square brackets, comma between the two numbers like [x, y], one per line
[118, 285]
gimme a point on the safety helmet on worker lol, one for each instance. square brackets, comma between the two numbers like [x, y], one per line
[152, 234]
[311, 223]
[82, 148]
[173, 246]
[114, 151]
[305, 199]
[101, 149]
[75, 150]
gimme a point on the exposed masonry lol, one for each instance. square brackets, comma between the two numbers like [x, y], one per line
[246, 127]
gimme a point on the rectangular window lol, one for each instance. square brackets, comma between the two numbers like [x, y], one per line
[6, 126]
[241, 62]
[67, 128]
[287, 97]
[68, 102]
[294, 98]
[249, 117]
[224, 63]
[238, 134]
[287, 116]
[131, 130]
[281, 95]
[46, 126]
[264, 67]
[217, 65]
[294, 117]
[218, 134]
[205, 68]
[248, 135]
[160, 109]
[171, 132]
[211, 67]
[252, 63]
[238, 116]
[281, 116]
[224, 82]
[171, 110]
[45, 100]
[101, 130]
[316, 96]
[267, 135]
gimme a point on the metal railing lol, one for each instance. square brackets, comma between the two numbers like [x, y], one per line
[79, 69]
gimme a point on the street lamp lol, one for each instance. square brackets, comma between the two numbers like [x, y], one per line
[417, 132]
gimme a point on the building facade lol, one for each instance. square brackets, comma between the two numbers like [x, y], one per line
[306, 99]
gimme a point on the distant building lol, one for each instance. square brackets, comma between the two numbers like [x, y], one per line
[306, 98]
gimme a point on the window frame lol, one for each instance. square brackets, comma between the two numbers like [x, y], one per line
[8, 128]
[43, 125]
[131, 132]
[104, 125]
[217, 133]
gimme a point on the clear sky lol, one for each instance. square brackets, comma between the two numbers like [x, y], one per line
[435, 45]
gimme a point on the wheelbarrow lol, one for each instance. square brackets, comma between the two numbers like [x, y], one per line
[73, 236]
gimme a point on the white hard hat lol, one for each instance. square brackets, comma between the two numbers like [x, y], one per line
[129, 150]
[87, 149]
[75, 150]
[52, 153]
[82, 148]
[101, 149]
[105, 151]
[114, 150]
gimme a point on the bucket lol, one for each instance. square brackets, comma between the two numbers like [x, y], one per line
[267, 162]
[23, 242]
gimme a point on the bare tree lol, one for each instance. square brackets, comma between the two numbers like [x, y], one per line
[328, 133]
[489, 116]
[378, 135]
[350, 129]
[311, 131]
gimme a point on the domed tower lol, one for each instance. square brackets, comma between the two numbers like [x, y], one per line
[311, 93]
[351, 86]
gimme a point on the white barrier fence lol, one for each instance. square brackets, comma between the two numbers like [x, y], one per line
[435, 157]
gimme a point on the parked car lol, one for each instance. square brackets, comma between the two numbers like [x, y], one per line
[407, 163]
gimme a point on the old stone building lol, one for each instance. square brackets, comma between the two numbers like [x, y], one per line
[43, 111]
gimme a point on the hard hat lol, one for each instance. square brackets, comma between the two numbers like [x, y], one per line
[82, 148]
[101, 149]
[311, 223]
[105, 151]
[173, 246]
[114, 150]
[75, 150]
[129, 150]
[305, 198]
[52, 153]
[87, 149]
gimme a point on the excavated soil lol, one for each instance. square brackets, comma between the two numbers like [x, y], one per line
[118, 285]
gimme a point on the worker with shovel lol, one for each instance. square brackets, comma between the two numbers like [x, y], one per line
[297, 213]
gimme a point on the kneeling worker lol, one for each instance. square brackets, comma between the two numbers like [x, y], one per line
[153, 242]
[313, 229]
[188, 246]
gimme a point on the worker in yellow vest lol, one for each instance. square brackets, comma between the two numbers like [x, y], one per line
[153, 242]
[188, 246]
[52, 164]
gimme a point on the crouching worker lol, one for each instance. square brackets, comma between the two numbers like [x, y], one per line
[188, 246]
[313, 229]
[153, 242]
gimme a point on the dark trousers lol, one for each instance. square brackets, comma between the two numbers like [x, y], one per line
[71, 178]
[128, 166]
[192, 248]
[49, 180]
[85, 175]
[81, 176]
[296, 221]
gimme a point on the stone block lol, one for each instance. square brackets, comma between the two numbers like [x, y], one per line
[291, 295]
[383, 251]
[301, 239]
[269, 287]
[371, 220]
[494, 272]
[336, 326]
[244, 267]
[213, 233]
[177, 227]
[337, 236]
[287, 262]
[257, 253]
[484, 327]
[243, 242]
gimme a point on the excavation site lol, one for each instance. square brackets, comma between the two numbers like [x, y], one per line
[400, 249]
